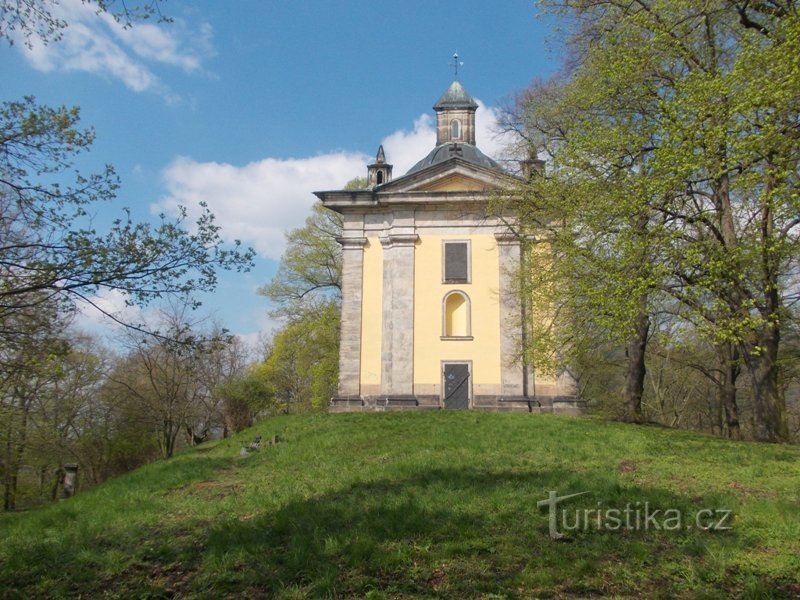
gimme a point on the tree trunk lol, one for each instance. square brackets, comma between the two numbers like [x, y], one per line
[14, 459]
[728, 355]
[635, 371]
[770, 405]
[7, 466]
[58, 481]
[761, 357]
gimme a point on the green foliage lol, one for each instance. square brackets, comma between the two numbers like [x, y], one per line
[303, 363]
[51, 250]
[53, 407]
[311, 267]
[437, 504]
[247, 396]
[357, 183]
[34, 19]
[673, 181]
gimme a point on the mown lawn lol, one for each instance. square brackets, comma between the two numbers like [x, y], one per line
[440, 505]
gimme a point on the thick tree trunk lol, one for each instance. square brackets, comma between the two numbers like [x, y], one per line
[636, 370]
[771, 424]
[761, 357]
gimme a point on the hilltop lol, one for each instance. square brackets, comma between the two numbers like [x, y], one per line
[442, 504]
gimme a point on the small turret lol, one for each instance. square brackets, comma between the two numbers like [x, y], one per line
[380, 171]
[455, 116]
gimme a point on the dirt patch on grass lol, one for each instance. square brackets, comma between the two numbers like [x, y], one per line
[214, 488]
[747, 491]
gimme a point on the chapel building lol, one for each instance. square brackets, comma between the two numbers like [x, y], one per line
[430, 314]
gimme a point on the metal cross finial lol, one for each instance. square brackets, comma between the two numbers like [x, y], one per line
[455, 64]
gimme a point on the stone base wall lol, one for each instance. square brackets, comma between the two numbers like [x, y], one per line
[564, 405]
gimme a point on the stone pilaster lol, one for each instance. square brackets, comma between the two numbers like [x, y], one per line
[512, 380]
[397, 349]
[387, 322]
[350, 338]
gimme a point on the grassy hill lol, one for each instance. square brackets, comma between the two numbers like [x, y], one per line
[424, 504]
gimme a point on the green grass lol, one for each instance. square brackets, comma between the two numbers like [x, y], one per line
[420, 505]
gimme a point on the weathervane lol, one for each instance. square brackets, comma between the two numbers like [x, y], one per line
[455, 64]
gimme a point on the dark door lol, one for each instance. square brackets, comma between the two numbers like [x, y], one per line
[456, 385]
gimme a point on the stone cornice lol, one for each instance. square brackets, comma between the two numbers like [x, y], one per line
[351, 243]
[506, 239]
[407, 239]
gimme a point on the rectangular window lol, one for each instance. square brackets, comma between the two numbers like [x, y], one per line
[456, 262]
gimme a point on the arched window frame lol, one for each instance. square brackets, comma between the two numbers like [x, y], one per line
[468, 303]
[455, 129]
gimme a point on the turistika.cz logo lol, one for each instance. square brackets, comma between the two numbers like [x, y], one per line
[639, 516]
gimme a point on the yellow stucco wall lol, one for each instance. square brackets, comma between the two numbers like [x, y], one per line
[429, 292]
[454, 183]
[372, 313]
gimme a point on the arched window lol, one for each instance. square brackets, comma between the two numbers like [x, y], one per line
[456, 315]
[455, 129]
[380, 177]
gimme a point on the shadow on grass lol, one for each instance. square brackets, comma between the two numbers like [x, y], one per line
[458, 532]
[448, 532]
[77, 546]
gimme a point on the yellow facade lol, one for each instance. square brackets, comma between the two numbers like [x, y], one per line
[455, 183]
[430, 350]
[481, 348]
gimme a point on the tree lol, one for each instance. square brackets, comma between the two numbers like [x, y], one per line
[52, 402]
[589, 235]
[301, 366]
[357, 183]
[310, 270]
[49, 249]
[721, 166]
[246, 396]
[29, 366]
[160, 376]
[35, 18]
[223, 361]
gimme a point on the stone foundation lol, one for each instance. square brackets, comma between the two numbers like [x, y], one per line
[563, 405]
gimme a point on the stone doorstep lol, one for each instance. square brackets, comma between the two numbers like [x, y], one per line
[400, 400]
[508, 408]
[529, 400]
[337, 401]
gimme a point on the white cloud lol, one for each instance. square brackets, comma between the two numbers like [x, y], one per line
[486, 135]
[165, 44]
[263, 328]
[99, 44]
[257, 203]
[405, 148]
[94, 317]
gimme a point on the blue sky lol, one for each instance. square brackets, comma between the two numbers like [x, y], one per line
[252, 105]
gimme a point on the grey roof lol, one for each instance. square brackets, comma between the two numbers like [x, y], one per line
[450, 150]
[455, 97]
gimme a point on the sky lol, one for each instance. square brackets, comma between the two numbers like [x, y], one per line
[252, 105]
